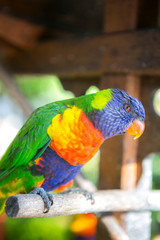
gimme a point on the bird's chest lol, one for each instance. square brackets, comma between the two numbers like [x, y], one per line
[74, 138]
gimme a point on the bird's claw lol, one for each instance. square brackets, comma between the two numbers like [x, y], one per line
[88, 195]
[46, 197]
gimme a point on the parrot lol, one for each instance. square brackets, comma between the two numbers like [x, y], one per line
[58, 139]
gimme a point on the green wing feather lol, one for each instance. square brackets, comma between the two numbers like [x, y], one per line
[31, 140]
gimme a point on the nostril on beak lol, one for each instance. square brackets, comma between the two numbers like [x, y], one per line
[141, 119]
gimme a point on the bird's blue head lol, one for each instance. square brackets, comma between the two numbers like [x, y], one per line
[121, 113]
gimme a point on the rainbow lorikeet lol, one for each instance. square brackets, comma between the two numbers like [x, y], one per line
[59, 138]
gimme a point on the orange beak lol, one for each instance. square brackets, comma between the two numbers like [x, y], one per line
[136, 128]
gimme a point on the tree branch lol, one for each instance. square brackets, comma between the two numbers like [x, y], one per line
[114, 228]
[32, 206]
[14, 91]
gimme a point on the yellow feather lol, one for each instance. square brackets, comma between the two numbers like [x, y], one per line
[101, 99]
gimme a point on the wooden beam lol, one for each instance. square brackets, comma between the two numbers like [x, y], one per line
[130, 147]
[18, 32]
[120, 15]
[137, 52]
[149, 141]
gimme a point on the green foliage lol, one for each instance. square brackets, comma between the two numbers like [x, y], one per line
[156, 186]
[40, 90]
[56, 228]
[156, 171]
[92, 89]
[156, 101]
[1, 88]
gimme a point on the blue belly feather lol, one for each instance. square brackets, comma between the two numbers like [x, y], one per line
[55, 170]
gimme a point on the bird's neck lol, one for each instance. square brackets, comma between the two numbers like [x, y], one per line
[103, 120]
[106, 123]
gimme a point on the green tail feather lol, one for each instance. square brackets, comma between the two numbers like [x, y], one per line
[9, 186]
[4, 194]
[17, 181]
[2, 204]
[7, 190]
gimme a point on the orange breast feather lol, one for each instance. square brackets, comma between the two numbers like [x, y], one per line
[74, 137]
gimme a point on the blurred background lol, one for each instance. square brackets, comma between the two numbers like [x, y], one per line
[58, 49]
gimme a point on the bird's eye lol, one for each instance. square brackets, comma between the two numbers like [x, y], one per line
[127, 107]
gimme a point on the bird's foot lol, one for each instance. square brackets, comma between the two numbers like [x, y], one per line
[88, 195]
[46, 197]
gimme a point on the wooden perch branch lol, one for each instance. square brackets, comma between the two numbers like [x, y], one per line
[31, 205]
